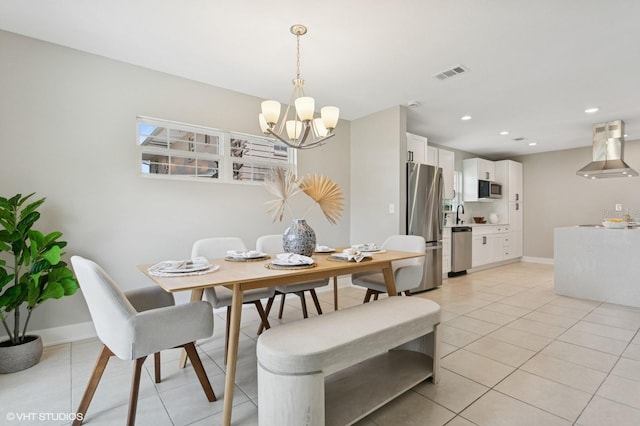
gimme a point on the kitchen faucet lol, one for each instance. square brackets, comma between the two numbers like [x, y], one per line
[458, 213]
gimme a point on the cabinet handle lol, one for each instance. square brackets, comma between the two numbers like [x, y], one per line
[484, 240]
[517, 197]
[486, 175]
[410, 155]
[517, 206]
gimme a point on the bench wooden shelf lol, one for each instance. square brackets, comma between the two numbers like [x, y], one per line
[353, 393]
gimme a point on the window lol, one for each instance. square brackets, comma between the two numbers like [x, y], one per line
[168, 149]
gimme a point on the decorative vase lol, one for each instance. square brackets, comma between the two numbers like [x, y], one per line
[15, 358]
[299, 238]
[493, 218]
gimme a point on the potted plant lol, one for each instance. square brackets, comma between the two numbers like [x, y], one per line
[31, 271]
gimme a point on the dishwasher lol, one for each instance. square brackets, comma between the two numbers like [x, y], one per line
[460, 250]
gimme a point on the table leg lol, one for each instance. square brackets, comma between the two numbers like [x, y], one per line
[196, 295]
[335, 293]
[232, 354]
[389, 280]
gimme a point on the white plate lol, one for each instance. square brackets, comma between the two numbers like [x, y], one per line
[179, 267]
[325, 250]
[366, 248]
[245, 255]
[285, 260]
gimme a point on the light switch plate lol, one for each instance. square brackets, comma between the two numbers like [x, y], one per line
[392, 208]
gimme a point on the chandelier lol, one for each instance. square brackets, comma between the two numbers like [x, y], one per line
[298, 128]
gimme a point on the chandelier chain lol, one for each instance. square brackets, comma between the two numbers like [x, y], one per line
[298, 56]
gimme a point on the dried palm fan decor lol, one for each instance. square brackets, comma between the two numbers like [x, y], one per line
[300, 238]
[324, 191]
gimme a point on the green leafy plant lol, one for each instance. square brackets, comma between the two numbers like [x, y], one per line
[31, 268]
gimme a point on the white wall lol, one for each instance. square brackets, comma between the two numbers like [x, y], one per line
[378, 157]
[67, 132]
[554, 196]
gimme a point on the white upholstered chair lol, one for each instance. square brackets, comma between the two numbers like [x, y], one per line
[220, 297]
[273, 244]
[407, 273]
[136, 324]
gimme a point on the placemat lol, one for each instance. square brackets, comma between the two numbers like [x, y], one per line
[288, 268]
[246, 259]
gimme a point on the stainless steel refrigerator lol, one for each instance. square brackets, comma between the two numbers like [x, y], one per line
[424, 217]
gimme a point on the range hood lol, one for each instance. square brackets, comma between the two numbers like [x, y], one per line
[608, 144]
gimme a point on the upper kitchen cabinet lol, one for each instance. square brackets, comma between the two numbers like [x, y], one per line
[474, 170]
[446, 160]
[418, 151]
[416, 148]
[509, 174]
[479, 168]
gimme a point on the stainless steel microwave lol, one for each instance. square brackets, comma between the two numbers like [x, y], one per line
[488, 189]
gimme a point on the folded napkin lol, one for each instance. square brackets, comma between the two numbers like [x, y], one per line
[292, 259]
[350, 254]
[244, 254]
[365, 247]
[180, 265]
[320, 248]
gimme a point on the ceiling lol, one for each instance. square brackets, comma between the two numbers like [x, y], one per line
[534, 66]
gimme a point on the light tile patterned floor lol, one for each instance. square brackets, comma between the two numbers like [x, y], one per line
[514, 353]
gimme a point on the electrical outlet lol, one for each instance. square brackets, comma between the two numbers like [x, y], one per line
[392, 208]
[618, 207]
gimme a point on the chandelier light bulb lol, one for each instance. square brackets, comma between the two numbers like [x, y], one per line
[305, 106]
[294, 129]
[330, 116]
[271, 111]
[319, 128]
[263, 124]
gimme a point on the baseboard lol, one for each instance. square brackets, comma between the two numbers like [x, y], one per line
[545, 260]
[64, 334]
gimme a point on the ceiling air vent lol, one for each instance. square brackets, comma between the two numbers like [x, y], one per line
[518, 139]
[452, 72]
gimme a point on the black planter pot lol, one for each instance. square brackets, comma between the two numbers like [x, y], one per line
[15, 358]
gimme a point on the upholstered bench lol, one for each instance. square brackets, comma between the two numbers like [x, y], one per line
[338, 367]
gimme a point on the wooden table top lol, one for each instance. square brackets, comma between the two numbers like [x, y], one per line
[256, 275]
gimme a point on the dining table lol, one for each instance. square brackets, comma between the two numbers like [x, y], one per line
[247, 275]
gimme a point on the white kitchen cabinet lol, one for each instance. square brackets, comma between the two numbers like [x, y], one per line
[480, 168]
[419, 151]
[446, 160]
[446, 251]
[490, 244]
[432, 156]
[474, 169]
[416, 148]
[509, 174]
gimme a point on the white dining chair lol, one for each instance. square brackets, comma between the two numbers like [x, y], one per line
[273, 244]
[136, 324]
[407, 273]
[221, 297]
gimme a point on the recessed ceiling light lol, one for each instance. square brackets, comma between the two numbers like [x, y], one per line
[626, 136]
[591, 110]
[504, 132]
[532, 143]
[465, 117]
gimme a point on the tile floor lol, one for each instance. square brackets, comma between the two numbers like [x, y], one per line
[513, 353]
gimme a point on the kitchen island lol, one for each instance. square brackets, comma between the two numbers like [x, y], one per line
[593, 262]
